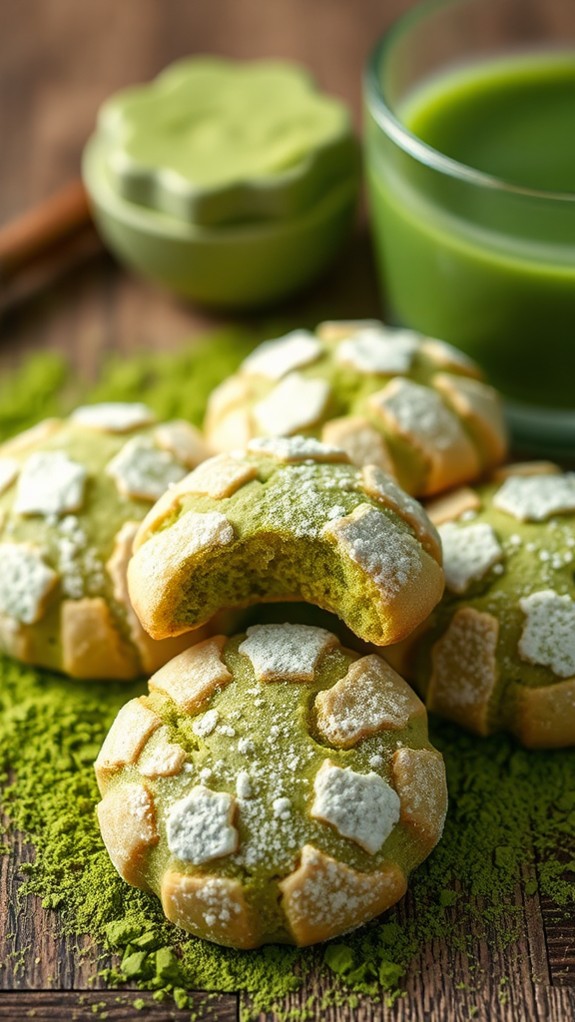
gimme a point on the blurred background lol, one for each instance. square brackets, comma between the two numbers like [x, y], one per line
[59, 59]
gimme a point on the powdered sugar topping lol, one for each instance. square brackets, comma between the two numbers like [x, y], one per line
[161, 758]
[548, 636]
[113, 416]
[206, 723]
[199, 826]
[201, 531]
[362, 807]
[50, 483]
[379, 350]
[371, 697]
[276, 358]
[419, 413]
[535, 498]
[183, 441]
[142, 471]
[468, 553]
[286, 652]
[390, 556]
[296, 448]
[25, 582]
[243, 785]
[296, 403]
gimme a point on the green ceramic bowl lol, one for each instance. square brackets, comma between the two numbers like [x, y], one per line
[230, 182]
[235, 266]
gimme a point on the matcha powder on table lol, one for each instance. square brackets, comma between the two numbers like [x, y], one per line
[511, 819]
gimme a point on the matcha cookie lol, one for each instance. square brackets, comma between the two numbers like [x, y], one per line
[271, 787]
[498, 653]
[72, 494]
[414, 406]
[288, 519]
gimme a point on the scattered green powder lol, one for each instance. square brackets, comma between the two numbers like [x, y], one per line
[511, 820]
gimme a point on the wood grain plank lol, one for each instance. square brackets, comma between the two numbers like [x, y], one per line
[52, 80]
[479, 983]
[443, 1003]
[48, 1006]
[33, 955]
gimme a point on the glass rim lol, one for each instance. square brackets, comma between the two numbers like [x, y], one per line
[407, 140]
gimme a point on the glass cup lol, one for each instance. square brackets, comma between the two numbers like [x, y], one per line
[463, 254]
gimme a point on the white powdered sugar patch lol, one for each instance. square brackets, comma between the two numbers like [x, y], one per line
[206, 723]
[362, 807]
[337, 511]
[277, 358]
[114, 416]
[199, 826]
[297, 448]
[468, 554]
[295, 403]
[25, 582]
[9, 469]
[78, 563]
[535, 498]
[50, 483]
[282, 807]
[244, 785]
[382, 487]
[286, 652]
[419, 412]
[368, 699]
[164, 759]
[200, 531]
[548, 636]
[142, 471]
[390, 556]
[379, 350]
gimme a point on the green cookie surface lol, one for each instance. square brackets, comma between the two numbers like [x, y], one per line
[498, 652]
[287, 519]
[72, 494]
[412, 405]
[272, 787]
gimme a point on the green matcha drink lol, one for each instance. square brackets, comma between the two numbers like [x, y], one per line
[473, 207]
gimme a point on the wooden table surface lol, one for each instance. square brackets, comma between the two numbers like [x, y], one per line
[58, 60]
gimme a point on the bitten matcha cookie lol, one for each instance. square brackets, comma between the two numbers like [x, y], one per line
[288, 519]
[414, 406]
[72, 494]
[498, 653]
[271, 787]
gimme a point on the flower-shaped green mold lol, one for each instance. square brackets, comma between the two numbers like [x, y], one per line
[213, 142]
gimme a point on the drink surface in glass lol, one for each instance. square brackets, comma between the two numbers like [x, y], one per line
[471, 171]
